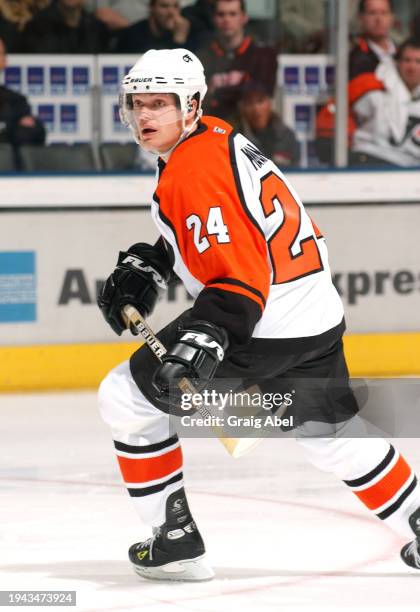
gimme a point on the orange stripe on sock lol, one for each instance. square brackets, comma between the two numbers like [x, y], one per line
[145, 469]
[382, 491]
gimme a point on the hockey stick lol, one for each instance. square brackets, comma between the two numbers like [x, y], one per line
[237, 447]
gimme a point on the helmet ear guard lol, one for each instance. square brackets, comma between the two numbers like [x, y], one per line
[125, 104]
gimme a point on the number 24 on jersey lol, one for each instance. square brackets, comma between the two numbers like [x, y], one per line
[286, 266]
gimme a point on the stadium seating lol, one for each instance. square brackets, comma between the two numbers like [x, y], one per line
[118, 156]
[7, 158]
[58, 158]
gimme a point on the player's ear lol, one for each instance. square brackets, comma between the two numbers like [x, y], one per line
[192, 108]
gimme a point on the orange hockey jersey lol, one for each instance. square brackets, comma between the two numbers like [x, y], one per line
[241, 240]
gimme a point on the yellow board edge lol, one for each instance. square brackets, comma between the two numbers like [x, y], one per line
[83, 366]
[59, 366]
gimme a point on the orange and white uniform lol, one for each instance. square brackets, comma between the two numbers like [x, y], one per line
[257, 265]
[235, 225]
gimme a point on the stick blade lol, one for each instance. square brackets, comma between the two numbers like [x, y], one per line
[239, 447]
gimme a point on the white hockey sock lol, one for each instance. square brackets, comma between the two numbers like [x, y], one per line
[375, 471]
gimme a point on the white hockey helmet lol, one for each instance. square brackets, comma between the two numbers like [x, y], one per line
[176, 71]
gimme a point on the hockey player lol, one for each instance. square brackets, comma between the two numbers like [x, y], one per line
[234, 230]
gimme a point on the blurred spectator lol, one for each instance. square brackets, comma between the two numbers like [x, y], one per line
[374, 45]
[371, 50]
[64, 27]
[303, 26]
[17, 125]
[20, 12]
[362, 85]
[165, 28]
[357, 88]
[8, 32]
[200, 15]
[258, 121]
[234, 58]
[117, 14]
[388, 121]
[14, 15]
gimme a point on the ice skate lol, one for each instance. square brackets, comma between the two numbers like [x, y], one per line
[176, 549]
[172, 554]
[410, 553]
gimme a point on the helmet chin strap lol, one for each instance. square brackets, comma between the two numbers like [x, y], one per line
[186, 131]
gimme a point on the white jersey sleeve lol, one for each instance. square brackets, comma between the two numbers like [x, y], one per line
[302, 300]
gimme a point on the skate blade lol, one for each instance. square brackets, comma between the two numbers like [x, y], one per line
[190, 570]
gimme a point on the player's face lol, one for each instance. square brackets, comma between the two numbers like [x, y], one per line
[256, 110]
[2, 55]
[377, 20]
[158, 121]
[164, 12]
[409, 67]
[229, 19]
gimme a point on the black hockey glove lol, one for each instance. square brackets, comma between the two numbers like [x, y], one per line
[198, 350]
[139, 278]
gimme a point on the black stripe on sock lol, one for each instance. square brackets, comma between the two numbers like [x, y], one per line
[151, 448]
[358, 482]
[154, 488]
[386, 513]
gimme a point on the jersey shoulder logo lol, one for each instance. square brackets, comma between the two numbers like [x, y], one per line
[219, 130]
[254, 155]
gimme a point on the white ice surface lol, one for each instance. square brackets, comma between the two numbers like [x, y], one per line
[280, 534]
